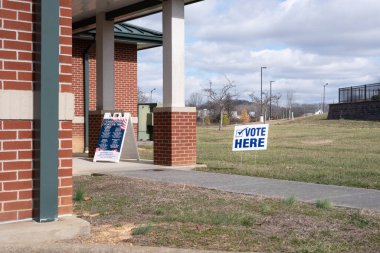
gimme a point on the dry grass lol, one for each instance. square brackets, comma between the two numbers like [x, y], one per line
[338, 152]
[188, 217]
[313, 149]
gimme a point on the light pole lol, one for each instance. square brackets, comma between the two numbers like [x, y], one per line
[151, 95]
[270, 99]
[324, 93]
[261, 93]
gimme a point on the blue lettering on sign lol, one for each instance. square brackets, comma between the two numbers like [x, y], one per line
[261, 143]
[246, 143]
[246, 132]
[253, 142]
[238, 143]
[249, 143]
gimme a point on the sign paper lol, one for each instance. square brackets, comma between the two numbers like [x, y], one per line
[112, 139]
[250, 137]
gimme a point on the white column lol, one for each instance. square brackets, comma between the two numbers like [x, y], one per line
[105, 47]
[173, 53]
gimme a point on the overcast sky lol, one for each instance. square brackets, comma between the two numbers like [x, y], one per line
[304, 44]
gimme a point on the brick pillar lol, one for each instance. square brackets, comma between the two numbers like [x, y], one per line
[175, 136]
[94, 123]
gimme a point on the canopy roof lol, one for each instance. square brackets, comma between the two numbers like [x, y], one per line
[130, 34]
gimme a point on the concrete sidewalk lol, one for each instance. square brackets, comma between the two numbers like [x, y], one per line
[308, 192]
[85, 166]
[90, 248]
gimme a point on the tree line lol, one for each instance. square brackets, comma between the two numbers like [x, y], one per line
[221, 104]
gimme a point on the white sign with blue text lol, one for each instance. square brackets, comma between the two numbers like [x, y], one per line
[250, 137]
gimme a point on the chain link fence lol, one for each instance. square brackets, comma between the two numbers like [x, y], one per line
[368, 92]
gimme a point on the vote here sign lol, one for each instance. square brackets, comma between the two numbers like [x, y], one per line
[252, 137]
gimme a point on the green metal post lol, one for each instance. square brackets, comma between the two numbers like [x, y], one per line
[49, 120]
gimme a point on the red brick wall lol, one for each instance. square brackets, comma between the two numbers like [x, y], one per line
[16, 45]
[126, 78]
[125, 83]
[65, 183]
[16, 170]
[174, 138]
[18, 61]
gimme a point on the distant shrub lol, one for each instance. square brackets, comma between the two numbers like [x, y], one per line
[226, 119]
[244, 116]
[375, 98]
[207, 121]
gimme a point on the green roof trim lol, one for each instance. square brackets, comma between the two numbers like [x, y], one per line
[131, 34]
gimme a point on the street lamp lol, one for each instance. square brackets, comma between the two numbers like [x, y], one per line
[324, 93]
[261, 93]
[151, 97]
[270, 99]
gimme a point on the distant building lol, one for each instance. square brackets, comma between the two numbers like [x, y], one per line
[319, 112]
[234, 114]
[203, 113]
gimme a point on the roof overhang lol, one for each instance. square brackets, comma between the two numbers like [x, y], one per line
[84, 11]
[129, 34]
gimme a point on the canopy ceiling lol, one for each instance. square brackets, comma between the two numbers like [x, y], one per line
[84, 11]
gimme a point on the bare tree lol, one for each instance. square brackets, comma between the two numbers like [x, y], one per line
[289, 101]
[220, 97]
[142, 98]
[266, 100]
[195, 100]
[229, 104]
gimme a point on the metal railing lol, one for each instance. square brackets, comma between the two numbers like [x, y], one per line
[368, 92]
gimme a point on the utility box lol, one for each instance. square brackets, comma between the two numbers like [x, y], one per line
[145, 115]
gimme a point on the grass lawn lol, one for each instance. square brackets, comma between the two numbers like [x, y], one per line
[338, 152]
[132, 211]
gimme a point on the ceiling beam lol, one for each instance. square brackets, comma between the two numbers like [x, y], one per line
[84, 23]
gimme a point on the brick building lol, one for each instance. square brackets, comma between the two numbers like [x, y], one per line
[37, 95]
[128, 40]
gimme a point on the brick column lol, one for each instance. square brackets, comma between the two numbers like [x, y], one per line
[175, 136]
[95, 124]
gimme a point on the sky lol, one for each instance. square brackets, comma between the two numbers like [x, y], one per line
[303, 43]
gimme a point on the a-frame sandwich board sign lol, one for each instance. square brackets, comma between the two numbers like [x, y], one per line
[117, 139]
